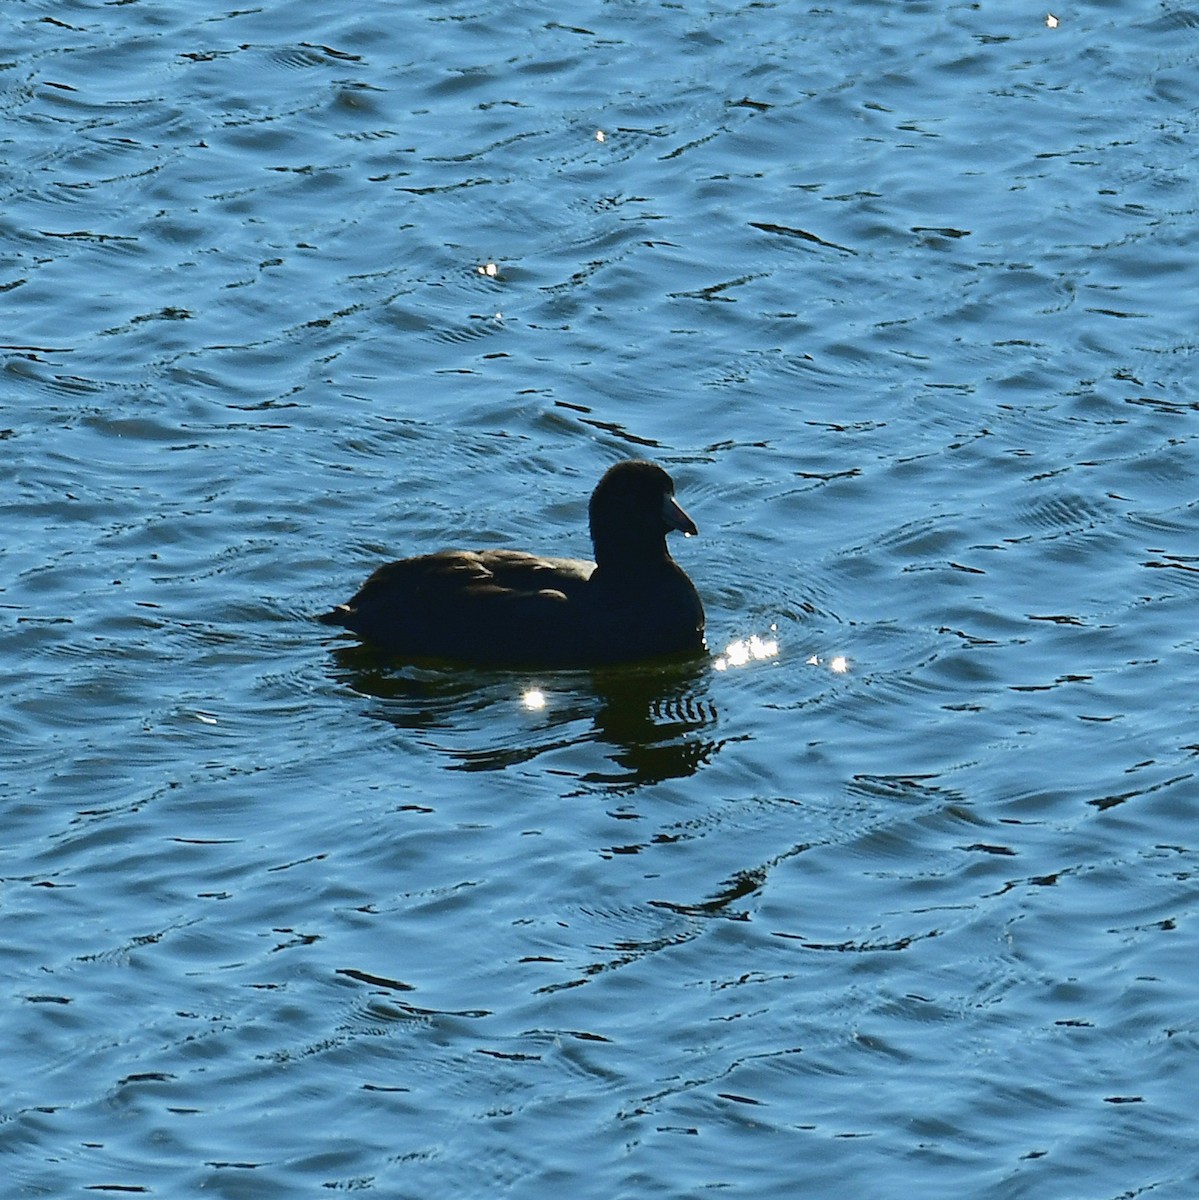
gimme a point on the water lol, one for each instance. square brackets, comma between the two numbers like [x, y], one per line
[904, 296]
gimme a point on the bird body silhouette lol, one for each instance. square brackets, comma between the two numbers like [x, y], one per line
[512, 608]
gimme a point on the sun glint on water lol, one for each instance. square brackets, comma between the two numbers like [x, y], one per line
[746, 650]
[838, 664]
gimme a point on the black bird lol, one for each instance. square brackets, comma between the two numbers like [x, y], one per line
[511, 608]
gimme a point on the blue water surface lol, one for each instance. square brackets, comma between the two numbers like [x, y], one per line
[896, 894]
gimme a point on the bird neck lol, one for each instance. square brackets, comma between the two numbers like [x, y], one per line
[624, 556]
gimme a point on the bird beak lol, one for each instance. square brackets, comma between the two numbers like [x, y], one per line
[676, 518]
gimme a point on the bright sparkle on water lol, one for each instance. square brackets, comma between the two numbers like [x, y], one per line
[533, 699]
[838, 664]
[745, 650]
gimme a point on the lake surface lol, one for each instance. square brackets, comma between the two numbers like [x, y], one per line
[898, 896]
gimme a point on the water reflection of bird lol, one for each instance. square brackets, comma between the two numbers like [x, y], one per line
[511, 608]
[658, 725]
[646, 723]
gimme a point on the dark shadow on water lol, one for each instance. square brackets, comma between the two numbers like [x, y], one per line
[649, 722]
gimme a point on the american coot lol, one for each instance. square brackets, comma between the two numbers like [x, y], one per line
[509, 608]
